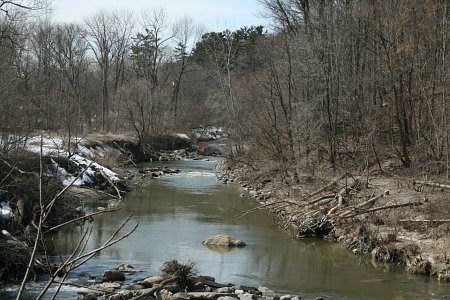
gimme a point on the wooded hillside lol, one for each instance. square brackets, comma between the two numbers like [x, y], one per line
[346, 83]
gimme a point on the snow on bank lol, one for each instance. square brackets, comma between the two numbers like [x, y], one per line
[54, 147]
[51, 146]
[209, 133]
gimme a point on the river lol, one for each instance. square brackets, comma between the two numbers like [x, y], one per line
[176, 212]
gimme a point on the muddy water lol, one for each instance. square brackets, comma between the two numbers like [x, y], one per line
[176, 212]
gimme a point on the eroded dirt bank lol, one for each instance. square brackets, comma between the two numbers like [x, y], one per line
[388, 216]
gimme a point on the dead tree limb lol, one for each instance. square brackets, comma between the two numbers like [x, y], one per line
[111, 183]
[367, 204]
[426, 221]
[324, 187]
[13, 167]
[80, 218]
[432, 184]
[277, 204]
[326, 197]
[382, 208]
[346, 190]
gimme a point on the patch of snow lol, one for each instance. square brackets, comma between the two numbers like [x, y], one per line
[91, 171]
[209, 133]
[50, 145]
[182, 135]
[6, 212]
[53, 146]
[90, 151]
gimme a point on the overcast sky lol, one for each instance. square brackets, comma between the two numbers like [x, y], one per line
[216, 15]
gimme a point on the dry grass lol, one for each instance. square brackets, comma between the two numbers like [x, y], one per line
[184, 272]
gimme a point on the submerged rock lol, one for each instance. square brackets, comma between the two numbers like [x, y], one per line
[223, 240]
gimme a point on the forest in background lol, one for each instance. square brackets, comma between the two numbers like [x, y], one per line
[331, 85]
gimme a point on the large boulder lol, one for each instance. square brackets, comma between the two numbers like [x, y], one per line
[223, 241]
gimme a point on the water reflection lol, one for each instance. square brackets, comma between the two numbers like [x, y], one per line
[222, 249]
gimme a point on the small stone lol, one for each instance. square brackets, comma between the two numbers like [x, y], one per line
[164, 294]
[181, 296]
[224, 290]
[296, 298]
[115, 297]
[319, 298]
[112, 275]
[266, 291]
[83, 296]
[198, 286]
[152, 280]
[226, 298]
[246, 288]
[285, 297]
[133, 287]
[126, 294]
[203, 295]
[246, 296]
[238, 292]
[207, 289]
[107, 286]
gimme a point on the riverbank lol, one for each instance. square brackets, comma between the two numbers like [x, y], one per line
[178, 281]
[390, 217]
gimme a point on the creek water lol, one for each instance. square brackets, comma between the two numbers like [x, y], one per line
[176, 212]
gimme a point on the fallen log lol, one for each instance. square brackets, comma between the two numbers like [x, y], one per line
[381, 208]
[277, 204]
[326, 197]
[432, 184]
[324, 187]
[346, 190]
[426, 221]
[369, 203]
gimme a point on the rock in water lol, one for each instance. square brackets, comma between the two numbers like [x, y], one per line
[223, 240]
[112, 275]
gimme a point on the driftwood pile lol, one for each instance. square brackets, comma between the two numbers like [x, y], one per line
[317, 213]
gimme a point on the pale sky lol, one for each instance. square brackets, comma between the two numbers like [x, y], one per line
[216, 15]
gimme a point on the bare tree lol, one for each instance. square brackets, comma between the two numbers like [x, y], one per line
[108, 38]
[149, 49]
[69, 51]
[186, 34]
[9, 8]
